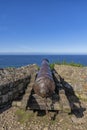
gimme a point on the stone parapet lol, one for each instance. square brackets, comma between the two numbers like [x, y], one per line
[14, 81]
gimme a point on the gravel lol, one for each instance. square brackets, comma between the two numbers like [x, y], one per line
[9, 120]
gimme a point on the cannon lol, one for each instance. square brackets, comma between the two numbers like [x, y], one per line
[44, 84]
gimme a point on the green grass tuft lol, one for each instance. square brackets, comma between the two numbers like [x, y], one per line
[66, 63]
[52, 66]
[23, 116]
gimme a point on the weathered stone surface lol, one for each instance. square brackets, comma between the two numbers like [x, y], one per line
[64, 102]
[75, 77]
[13, 74]
[14, 81]
[19, 104]
[5, 98]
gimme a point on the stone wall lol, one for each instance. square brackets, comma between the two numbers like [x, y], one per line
[75, 77]
[14, 81]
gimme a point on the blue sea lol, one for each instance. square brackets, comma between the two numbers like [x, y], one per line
[22, 60]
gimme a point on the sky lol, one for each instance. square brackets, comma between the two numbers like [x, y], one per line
[43, 26]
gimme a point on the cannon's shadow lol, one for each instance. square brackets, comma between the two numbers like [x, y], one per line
[74, 102]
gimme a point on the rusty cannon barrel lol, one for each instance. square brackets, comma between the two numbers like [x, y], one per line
[44, 84]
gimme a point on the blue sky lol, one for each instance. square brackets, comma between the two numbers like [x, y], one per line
[43, 26]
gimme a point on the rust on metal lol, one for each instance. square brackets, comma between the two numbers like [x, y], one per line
[44, 84]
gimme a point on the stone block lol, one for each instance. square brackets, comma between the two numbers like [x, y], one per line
[5, 98]
[0, 99]
[20, 86]
[14, 104]
[10, 95]
[18, 104]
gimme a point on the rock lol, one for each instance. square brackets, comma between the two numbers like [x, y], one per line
[77, 121]
[45, 128]
[18, 104]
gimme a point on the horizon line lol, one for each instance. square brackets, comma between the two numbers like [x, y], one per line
[39, 53]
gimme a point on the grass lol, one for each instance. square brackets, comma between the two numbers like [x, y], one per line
[52, 66]
[23, 116]
[26, 116]
[66, 63]
[70, 63]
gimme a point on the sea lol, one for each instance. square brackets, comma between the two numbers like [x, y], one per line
[23, 60]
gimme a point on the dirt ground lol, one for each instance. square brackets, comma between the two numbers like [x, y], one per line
[17, 119]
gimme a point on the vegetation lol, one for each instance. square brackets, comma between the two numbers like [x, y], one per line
[71, 63]
[23, 116]
[52, 66]
[66, 63]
